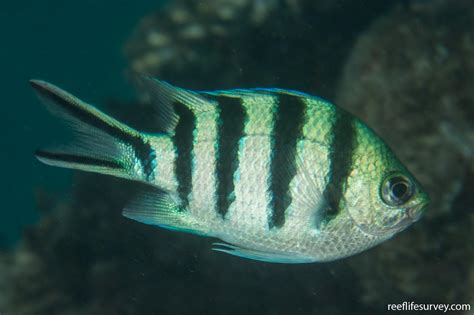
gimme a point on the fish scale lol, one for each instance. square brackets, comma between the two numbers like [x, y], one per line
[164, 170]
[203, 197]
[231, 120]
[289, 118]
[309, 181]
[279, 175]
[252, 195]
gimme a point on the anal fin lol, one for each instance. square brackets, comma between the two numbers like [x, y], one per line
[156, 207]
[266, 256]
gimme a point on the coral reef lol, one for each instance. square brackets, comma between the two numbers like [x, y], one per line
[411, 78]
[241, 43]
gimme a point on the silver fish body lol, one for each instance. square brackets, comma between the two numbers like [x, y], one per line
[278, 175]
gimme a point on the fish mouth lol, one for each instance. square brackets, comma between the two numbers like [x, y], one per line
[414, 213]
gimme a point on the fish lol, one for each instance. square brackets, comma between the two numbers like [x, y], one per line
[276, 175]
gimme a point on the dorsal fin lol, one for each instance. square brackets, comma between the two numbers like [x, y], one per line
[163, 96]
[265, 91]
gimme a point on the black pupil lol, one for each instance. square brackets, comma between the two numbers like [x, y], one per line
[399, 189]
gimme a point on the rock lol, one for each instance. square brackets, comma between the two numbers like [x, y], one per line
[220, 44]
[411, 77]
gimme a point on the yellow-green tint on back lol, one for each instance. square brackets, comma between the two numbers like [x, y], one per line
[320, 117]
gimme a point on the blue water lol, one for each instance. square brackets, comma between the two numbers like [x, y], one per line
[75, 44]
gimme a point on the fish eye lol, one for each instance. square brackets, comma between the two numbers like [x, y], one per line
[397, 190]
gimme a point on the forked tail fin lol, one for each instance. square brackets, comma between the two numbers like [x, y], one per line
[102, 144]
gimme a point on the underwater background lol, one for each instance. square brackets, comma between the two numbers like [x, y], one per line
[404, 67]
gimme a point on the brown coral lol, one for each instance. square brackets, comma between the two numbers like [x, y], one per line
[239, 43]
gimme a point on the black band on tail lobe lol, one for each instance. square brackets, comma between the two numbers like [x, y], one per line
[72, 108]
[76, 159]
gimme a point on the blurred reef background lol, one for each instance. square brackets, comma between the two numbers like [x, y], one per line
[405, 67]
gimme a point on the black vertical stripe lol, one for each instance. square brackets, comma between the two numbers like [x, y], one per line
[232, 118]
[340, 157]
[183, 141]
[288, 125]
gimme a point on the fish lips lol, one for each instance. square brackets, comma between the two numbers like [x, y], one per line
[412, 215]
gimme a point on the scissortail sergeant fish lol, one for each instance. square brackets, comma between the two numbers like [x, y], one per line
[278, 175]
